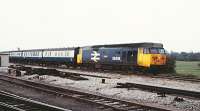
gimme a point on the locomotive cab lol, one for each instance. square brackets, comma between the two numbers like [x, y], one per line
[149, 57]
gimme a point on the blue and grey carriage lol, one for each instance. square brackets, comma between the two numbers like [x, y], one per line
[51, 56]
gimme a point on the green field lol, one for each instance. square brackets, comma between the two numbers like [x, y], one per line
[188, 68]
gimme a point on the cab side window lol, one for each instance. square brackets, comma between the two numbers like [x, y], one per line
[146, 51]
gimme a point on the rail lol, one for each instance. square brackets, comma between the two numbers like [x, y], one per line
[11, 102]
[160, 90]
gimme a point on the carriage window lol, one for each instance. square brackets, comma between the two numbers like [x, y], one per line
[61, 53]
[67, 53]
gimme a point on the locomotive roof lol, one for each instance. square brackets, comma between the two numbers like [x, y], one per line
[132, 45]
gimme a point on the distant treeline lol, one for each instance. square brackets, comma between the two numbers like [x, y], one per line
[186, 56]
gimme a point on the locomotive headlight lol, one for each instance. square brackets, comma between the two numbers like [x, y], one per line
[155, 58]
[158, 59]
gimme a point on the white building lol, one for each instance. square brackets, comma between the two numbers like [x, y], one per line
[4, 60]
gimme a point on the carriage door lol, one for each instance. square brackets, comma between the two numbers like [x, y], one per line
[132, 56]
[135, 53]
[124, 56]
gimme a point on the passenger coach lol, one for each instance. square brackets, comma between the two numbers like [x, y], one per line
[55, 56]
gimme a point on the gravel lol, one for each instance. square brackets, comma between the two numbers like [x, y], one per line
[135, 95]
[95, 85]
[142, 79]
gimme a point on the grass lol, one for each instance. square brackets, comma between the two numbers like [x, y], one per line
[188, 68]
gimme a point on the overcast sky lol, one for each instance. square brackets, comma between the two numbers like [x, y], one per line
[31, 24]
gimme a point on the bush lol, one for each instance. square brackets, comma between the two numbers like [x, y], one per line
[199, 65]
[170, 65]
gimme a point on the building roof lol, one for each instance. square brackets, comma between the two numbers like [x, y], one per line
[4, 53]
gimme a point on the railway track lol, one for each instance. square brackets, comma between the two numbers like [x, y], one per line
[27, 67]
[11, 102]
[107, 102]
[161, 90]
[162, 76]
[176, 77]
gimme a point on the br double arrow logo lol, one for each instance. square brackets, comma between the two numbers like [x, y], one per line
[95, 56]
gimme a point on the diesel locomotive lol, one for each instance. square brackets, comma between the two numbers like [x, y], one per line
[133, 56]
